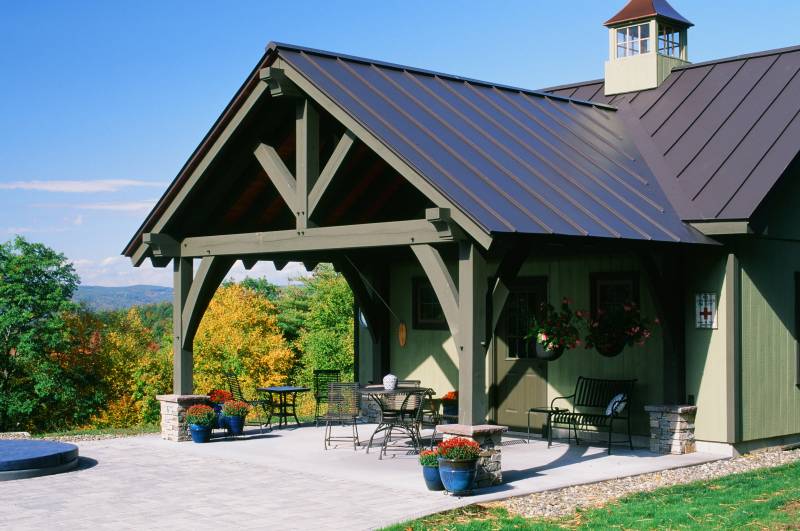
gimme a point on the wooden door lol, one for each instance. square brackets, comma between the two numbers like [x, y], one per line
[520, 380]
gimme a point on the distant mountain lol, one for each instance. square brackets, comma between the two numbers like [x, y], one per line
[105, 298]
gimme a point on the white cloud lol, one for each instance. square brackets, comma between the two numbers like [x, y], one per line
[129, 206]
[78, 220]
[34, 230]
[82, 186]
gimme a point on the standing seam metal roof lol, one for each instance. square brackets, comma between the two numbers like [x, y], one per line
[514, 160]
[727, 130]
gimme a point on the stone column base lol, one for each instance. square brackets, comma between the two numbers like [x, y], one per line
[173, 415]
[490, 466]
[672, 429]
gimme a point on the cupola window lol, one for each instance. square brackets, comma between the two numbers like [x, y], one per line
[669, 41]
[633, 40]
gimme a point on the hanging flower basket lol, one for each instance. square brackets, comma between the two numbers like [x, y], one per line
[611, 330]
[553, 332]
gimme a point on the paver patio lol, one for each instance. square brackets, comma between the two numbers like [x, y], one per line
[282, 479]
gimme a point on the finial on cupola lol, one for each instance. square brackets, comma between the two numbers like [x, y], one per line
[647, 39]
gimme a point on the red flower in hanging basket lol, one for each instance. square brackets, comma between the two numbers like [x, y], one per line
[450, 396]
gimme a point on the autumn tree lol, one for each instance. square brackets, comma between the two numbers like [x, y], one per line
[239, 333]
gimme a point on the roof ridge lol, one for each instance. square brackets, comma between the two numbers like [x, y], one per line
[274, 45]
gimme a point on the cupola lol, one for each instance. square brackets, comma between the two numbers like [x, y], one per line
[647, 39]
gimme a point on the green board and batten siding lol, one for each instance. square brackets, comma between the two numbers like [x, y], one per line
[430, 355]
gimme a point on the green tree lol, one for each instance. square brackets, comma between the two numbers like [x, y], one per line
[36, 288]
[326, 338]
[262, 286]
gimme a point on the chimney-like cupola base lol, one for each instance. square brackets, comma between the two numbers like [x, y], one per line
[647, 39]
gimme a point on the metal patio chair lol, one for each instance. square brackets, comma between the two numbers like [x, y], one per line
[344, 407]
[265, 405]
[322, 378]
[405, 421]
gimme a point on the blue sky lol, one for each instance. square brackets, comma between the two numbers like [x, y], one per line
[102, 102]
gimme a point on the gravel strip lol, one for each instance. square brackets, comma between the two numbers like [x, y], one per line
[564, 502]
[96, 437]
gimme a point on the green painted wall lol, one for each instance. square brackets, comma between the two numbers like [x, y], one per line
[430, 356]
[770, 397]
[706, 350]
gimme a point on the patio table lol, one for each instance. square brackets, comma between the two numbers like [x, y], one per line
[287, 395]
[379, 393]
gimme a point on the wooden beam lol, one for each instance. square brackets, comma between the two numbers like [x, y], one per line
[182, 357]
[442, 283]
[279, 84]
[330, 169]
[722, 228]
[471, 338]
[249, 263]
[160, 244]
[306, 157]
[310, 266]
[278, 173]
[279, 264]
[507, 272]
[209, 276]
[160, 261]
[387, 234]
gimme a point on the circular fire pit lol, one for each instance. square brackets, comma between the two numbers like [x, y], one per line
[21, 459]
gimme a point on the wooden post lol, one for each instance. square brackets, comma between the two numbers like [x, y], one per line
[182, 379]
[306, 158]
[471, 339]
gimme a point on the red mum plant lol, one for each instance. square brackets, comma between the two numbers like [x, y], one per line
[450, 396]
[200, 415]
[459, 449]
[429, 458]
[220, 396]
[235, 408]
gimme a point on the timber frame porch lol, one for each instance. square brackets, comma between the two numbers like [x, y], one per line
[288, 158]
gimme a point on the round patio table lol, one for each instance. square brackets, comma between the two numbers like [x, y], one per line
[389, 413]
[286, 397]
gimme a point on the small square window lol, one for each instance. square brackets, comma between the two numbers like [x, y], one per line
[611, 291]
[633, 40]
[427, 312]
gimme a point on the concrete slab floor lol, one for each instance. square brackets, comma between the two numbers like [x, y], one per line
[283, 479]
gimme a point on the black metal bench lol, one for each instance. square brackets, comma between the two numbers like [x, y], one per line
[590, 401]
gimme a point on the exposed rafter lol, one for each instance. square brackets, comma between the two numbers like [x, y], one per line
[278, 173]
[306, 157]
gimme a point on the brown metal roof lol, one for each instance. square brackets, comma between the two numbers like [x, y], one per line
[640, 9]
[514, 160]
[725, 131]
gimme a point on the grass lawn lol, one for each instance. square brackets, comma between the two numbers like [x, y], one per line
[99, 431]
[764, 499]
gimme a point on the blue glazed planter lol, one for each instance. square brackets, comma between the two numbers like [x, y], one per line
[200, 434]
[450, 408]
[235, 425]
[458, 476]
[218, 422]
[432, 478]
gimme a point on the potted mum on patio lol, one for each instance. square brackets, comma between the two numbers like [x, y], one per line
[613, 329]
[235, 412]
[429, 459]
[200, 419]
[458, 459]
[218, 397]
[554, 331]
[450, 404]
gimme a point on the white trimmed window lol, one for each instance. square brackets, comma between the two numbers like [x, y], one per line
[633, 40]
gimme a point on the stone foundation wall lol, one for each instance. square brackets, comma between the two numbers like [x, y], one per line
[490, 465]
[173, 415]
[672, 429]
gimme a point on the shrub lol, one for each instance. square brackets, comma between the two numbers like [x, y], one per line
[220, 396]
[200, 415]
[458, 449]
[235, 408]
[429, 458]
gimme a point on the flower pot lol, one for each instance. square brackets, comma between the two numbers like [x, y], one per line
[218, 422]
[548, 355]
[200, 434]
[458, 476]
[450, 408]
[611, 349]
[235, 425]
[432, 478]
